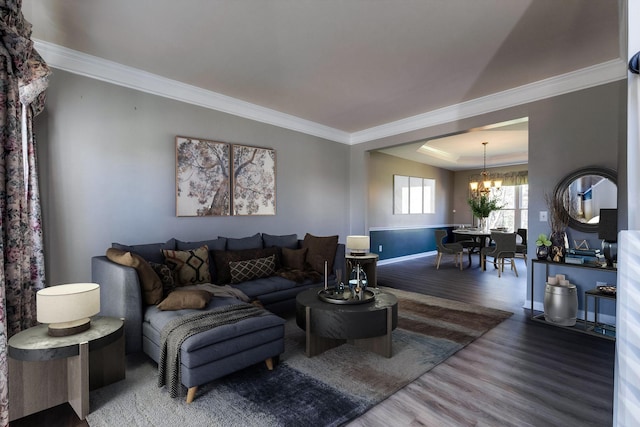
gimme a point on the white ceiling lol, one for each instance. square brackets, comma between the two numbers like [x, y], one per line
[346, 65]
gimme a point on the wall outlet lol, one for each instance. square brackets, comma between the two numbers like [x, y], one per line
[543, 216]
[379, 248]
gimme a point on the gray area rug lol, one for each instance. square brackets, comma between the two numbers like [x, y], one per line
[326, 390]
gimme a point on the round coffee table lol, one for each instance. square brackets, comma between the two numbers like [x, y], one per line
[329, 325]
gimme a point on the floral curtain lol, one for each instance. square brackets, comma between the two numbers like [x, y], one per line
[23, 79]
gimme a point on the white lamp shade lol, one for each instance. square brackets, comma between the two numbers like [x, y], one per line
[67, 303]
[358, 244]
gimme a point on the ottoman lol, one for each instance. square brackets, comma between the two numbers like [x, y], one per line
[219, 351]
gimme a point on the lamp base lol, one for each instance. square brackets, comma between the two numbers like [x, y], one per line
[358, 253]
[65, 329]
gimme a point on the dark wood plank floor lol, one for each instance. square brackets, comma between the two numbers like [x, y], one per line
[521, 373]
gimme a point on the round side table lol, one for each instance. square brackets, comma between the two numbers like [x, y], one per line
[46, 371]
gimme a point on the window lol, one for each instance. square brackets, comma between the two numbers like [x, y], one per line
[514, 214]
[413, 195]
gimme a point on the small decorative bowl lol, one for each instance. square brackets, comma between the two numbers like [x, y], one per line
[607, 289]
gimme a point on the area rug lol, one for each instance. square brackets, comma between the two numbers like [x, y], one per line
[326, 390]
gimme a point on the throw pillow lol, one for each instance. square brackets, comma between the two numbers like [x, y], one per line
[223, 258]
[243, 271]
[251, 242]
[319, 250]
[166, 277]
[149, 280]
[150, 252]
[190, 267]
[180, 299]
[294, 258]
[219, 244]
[286, 241]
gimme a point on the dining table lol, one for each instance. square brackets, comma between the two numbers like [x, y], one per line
[480, 236]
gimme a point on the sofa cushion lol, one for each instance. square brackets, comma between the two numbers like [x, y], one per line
[223, 258]
[166, 277]
[251, 242]
[219, 244]
[242, 271]
[190, 267]
[256, 289]
[294, 258]
[149, 280]
[319, 250]
[151, 252]
[284, 241]
[182, 298]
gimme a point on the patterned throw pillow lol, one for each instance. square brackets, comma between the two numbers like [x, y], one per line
[166, 277]
[190, 267]
[223, 258]
[242, 271]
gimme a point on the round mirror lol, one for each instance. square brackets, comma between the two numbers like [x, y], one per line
[586, 191]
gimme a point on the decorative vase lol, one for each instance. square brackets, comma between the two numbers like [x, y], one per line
[542, 252]
[357, 281]
[483, 224]
[559, 245]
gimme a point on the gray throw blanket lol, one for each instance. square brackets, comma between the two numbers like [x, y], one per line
[181, 328]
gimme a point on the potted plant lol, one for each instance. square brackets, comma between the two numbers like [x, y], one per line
[542, 246]
[482, 206]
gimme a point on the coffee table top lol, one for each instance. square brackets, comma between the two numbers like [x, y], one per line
[309, 298]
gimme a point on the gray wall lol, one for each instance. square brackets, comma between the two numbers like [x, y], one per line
[382, 167]
[107, 162]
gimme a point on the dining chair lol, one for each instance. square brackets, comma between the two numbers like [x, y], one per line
[454, 249]
[521, 247]
[503, 251]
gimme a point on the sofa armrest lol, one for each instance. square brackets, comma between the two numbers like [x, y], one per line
[120, 296]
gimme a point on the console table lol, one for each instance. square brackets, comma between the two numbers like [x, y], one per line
[47, 371]
[582, 325]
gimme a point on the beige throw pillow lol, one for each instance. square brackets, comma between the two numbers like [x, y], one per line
[181, 298]
[149, 280]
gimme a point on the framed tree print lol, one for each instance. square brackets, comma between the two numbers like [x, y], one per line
[202, 177]
[254, 180]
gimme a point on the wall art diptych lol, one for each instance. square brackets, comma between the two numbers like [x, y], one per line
[219, 179]
[254, 180]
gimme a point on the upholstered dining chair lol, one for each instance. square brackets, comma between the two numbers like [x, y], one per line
[454, 249]
[503, 251]
[521, 247]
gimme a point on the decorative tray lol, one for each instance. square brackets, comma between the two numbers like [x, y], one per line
[332, 296]
[607, 289]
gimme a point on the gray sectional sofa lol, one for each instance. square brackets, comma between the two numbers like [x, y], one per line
[139, 283]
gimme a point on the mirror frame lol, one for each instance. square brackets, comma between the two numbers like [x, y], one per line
[564, 184]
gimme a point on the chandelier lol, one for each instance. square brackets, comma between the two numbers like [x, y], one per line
[484, 186]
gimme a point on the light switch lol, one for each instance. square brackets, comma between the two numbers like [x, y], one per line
[543, 216]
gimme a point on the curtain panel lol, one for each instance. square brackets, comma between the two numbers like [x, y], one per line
[23, 79]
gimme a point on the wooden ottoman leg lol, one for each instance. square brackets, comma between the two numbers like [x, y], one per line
[269, 363]
[191, 394]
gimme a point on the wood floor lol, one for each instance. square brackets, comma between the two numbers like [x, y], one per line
[521, 373]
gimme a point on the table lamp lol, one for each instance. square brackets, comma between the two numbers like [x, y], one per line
[358, 245]
[68, 308]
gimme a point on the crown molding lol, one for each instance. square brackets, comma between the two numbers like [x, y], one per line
[598, 74]
[111, 72]
[97, 68]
